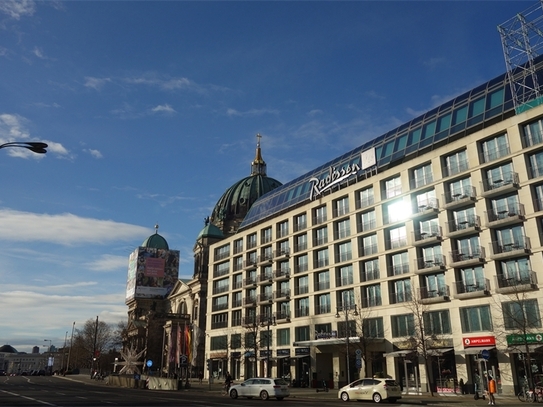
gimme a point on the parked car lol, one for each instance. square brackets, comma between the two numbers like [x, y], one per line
[261, 387]
[375, 389]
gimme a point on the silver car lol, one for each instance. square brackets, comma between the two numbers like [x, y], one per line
[375, 389]
[261, 387]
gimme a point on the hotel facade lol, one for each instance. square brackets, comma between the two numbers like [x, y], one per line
[415, 256]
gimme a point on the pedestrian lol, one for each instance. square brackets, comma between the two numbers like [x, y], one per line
[200, 377]
[491, 390]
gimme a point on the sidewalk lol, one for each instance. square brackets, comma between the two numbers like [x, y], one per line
[309, 393]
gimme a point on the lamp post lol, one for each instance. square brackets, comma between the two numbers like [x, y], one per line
[345, 309]
[50, 344]
[35, 146]
[270, 320]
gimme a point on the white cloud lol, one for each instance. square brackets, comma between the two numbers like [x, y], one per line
[64, 229]
[163, 109]
[315, 112]
[17, 8]
[94, 153]
[108, 262]
[250, 112]
[95, 83]
[39, 53]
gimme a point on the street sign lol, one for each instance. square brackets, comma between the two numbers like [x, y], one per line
[149, 363]
[485, 354]
[358, 363]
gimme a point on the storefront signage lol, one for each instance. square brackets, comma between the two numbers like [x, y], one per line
[479, 341]
[283, 352]
[524, 339]
[334, 177]
[301, 351]
[326, 335]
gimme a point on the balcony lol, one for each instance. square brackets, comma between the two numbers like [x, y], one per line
[249, 264]
[495, 153]
[249, 281]
[431, 296]
[264, 298]
[478, 289]
[508, 182]
[396, 243]
[459, 197]
[370, 275]
[301, 312]
[249, 321]
[423, 237]
[219, 307]
[397, 269]
[525, 280]
[367, 250]
[323, 309]
[281, 254]
[343, 281]
[300, 268]
[237, 303]
[506, 215]
[501, 250]
[463, 226]
[319, 241]
[467, 258]
[426, 207]
[398, 298]
[283, 294]
[301, 289]
[264, 278]
[322, 285]
[264, 260]
[281, 274]
[282, 317]
[425, 265]
[249, 301]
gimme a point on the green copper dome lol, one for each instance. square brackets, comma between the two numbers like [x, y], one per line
[210, 230]
[156, 241]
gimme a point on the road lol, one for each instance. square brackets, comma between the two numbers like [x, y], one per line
[56, 391]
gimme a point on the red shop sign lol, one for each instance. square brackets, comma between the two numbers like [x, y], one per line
[479, 341]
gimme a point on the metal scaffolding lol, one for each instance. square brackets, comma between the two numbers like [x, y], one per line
[522, 41]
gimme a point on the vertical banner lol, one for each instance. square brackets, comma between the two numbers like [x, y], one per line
[179, 344]
[172, 346]
[188, 344]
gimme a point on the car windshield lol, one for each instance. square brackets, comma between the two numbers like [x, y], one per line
[390, 383]
[280, 382]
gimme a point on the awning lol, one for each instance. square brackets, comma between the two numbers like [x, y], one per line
[280, 357]
[299, 356]
[473, 351]
[438, 352]
[522, 348]
[327, 342]
[398, 353]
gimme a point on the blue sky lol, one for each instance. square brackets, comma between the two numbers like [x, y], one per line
[151, 109]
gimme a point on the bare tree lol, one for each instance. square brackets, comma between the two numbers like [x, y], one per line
[369, 331]
[93, 339]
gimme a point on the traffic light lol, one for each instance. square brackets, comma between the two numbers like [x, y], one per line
[208, 366]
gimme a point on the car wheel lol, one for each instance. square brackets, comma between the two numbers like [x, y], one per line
[264, 395]
[233, 394]
[377, 397]
[344, 396]
[279, 398]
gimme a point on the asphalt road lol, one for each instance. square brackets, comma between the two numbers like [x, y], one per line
[80, 391]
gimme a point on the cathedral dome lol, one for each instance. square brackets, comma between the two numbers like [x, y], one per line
[156, 241]
[210, 231]
[8, 349]
[235, 203]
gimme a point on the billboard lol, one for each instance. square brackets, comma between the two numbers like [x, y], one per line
[152, 273]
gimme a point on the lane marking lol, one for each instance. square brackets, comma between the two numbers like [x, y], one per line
[28, 398]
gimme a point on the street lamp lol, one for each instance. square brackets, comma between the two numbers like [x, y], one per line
[270, 320]
[35, 146]
[346, 308]
[50, 345]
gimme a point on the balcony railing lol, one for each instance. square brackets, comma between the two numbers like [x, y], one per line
[431, 262]
[249, 301]
[397, 298]
[366, 225]
[425, 179]
[481, 286]
[505, 213]
[249, 281]
[431, 204]
[301, 225]
[300, 268]
[397, 269]
[520, 246]
[301, 312]
[320, 241]
[460, 195]
[495, 153]
[365, 202]
[475, 253]
[343, 281]
[322, 285]
[281, 274]
[301, 289]
[323, 309]
[368, 250]
[457, 168]
[507, 179]
[434, 293]
[467, 223]
[283, 293]
[371, 302]
[369, 275]
[517, 281]
[434, 233]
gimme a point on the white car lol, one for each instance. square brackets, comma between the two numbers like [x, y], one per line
[261, 387]
[375, 389]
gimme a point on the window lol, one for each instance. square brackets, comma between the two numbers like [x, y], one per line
[395, 211]
[473, 278]
[251, 241]
[236, 318]
[266, 338]
[468, 247]
[510, 239]
[222, 252]
[533, 133]
[322, 280]
[536, 164]
[422, 176]
[344, 252]
[302, 307]
[282, 229]
[366, 221]
[455, 163]
[238, 246]
[432, 256]
[476, 319]
[426, 200]
[538, 194]
[319, 215]
[266, 235]
[429, 228]
[365, 198]
[499, 176]
[219, 342]
[343, 228]
[321, 236]
[371, 295]
[284, 309]
[219, 320]
[373, 328]
[399, 264]
[345, 299]
[220, 286]
[220, 303]
[283, 337]
[221, 269]
[459, 189]
[301, 242]
[341, 206]
[434, 286]
[368, 245]
[321, 258]
[397, 237]
[392, 187]
[283, 248]
[302, 285]
[369, 270]
[494, 148]
[235, 341]
[515, 272]
[238, 263]
[300, 222]
[323, 304]
[401, 291]
[301, 264]
[345, 275]
[267, 253]
[402, 325]
[521, 315]
[437, 322]
[302, 333]
[237, 299]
